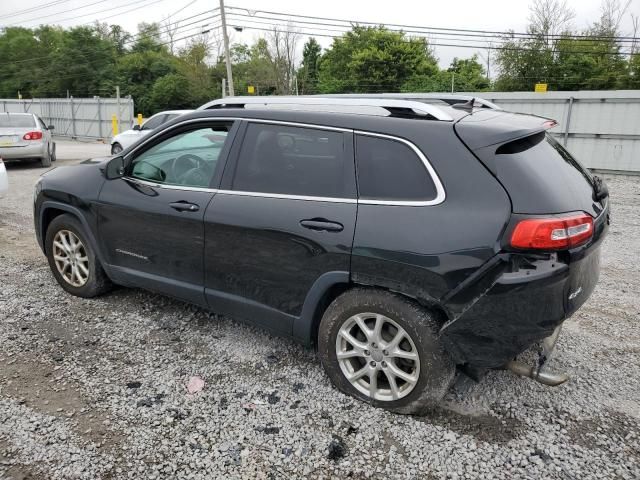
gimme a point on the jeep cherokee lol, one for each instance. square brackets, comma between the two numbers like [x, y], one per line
[401, 237]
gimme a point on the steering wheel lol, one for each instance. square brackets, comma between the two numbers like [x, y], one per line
[185, 163]
[196, 177]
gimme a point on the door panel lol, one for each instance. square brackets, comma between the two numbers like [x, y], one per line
[151, 227]
[258, 253]
[286, 217]
[141, 233]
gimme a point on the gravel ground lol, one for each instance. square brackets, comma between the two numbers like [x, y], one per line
[96, 388]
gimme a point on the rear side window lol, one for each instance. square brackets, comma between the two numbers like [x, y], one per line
[16, 121]
[287, 160]
[391, 170]
[154, 122]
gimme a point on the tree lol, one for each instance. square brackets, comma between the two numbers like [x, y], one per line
[193, 67]
[148, 38]
[171, 91]
[523, 63]
[374, 59]
[469, 75]
[308, 72]
[282, 49]
[550, 18]
[253, 66]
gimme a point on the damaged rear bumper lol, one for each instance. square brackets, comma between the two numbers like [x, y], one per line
[517, 301]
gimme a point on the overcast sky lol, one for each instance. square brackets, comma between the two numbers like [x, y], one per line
[498, 15]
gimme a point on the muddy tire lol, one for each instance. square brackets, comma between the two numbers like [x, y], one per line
[388, 347]
[72, 259]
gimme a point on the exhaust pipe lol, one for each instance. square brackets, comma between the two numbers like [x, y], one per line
[536, 373]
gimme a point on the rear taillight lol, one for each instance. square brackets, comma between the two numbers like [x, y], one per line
[552, 233]
[32, 136]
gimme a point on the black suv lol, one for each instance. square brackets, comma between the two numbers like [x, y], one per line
[401, 237]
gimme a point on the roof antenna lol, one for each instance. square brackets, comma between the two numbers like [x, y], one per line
[468, 105]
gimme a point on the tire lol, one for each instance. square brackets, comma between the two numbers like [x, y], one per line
[116, 148]
[53, 152]
[96, 281]
[46, 161]
[432, 372]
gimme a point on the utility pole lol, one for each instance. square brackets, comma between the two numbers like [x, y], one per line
[225, 37]
[118, 105]
[453, 75]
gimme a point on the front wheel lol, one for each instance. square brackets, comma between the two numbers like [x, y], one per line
[72, 260]
[383, 349]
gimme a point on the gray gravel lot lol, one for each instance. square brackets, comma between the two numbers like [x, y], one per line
[96, 388]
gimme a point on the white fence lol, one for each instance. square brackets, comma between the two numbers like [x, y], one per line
[76, 117]
[601, 128]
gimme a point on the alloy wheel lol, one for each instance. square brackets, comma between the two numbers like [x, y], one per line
[70, 257]
[377, 356]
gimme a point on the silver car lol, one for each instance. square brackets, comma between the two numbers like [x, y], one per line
[25, 136]
[129, 137]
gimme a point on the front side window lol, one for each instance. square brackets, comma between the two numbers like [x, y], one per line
[391, 170]
[280, 159]
[186, 159]
[154, 122]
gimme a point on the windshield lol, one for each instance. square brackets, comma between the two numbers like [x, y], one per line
[16, 120]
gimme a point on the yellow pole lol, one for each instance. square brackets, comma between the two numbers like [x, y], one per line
[114, 124]
[140, 119]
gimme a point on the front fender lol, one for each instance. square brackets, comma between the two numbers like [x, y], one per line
[76, 212]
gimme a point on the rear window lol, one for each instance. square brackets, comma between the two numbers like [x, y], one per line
[542, 176]
[16, 121]
[391, 170]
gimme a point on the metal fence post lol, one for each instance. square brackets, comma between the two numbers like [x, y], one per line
[568, 121]
[99, 118]
[73, 118]
[118, 105]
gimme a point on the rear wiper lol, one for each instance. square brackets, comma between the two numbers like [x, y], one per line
[600, 189]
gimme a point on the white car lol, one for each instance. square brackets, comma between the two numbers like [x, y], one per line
[4, 179]
[126, 139]
[25, 136]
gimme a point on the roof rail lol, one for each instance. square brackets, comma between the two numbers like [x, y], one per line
[365, 106]
[448, 98]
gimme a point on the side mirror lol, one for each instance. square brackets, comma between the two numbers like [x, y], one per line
[51, 127]
[136, 127]
[115, 168]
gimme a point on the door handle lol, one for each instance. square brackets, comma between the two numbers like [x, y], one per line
[183, 206]
[322, 224]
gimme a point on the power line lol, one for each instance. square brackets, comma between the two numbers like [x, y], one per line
[361, 22]
[35, 8]
[130, 10]
[181, 9]
[490, 36]
[58, 13]
[454, 45]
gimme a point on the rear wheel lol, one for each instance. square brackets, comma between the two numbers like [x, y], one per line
[383, 349]
[72, 259]
[46, 160]
[53, 152]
